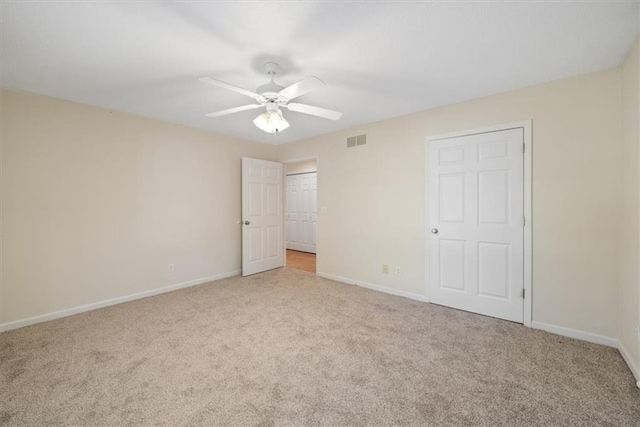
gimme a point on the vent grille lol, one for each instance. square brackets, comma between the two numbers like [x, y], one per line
[354, 141]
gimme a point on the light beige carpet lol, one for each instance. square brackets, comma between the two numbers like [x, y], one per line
[287, 348]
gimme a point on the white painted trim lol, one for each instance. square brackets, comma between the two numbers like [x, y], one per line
[573, 333]
[373, 287]
[93, 306]
[527, 127]
[630, 362]
[427, 219]
[528, 215]
[485, 129]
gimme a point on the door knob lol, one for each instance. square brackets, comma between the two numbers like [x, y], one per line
[247, 223]
[434, 230]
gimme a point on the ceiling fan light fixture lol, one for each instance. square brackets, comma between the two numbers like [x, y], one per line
[273, 97]
[271, 122]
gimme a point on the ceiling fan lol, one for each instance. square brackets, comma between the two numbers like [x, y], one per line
[273, 97]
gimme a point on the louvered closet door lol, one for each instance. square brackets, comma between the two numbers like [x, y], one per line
[476, 239]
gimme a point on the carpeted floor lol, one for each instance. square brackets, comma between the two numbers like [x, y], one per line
[287, 348]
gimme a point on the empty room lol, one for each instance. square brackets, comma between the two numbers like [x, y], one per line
[319, 213]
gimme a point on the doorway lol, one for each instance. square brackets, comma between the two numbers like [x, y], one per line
[301, 214]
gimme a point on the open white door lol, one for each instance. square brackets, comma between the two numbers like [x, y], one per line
[262, 236]
[476, 247]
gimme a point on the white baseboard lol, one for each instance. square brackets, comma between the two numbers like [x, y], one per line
[630, 362]
[93, 306]
[572, 333]
[558, 330]
[371, 286]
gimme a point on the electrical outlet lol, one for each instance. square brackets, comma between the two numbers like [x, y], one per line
[171, 268]
[385, 269]
[398, 271]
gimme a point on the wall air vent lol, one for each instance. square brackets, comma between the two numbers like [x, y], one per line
[354, 141]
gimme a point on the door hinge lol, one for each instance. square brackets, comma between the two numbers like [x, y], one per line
[524, 147]
[522, 293]
[524, 221]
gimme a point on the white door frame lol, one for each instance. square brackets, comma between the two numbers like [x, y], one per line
[296, 160]
[526, 125]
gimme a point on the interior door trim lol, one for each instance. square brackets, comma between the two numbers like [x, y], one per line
[315, 157]
[527, 127]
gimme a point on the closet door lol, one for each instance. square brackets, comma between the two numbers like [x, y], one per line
[476, 240]
[308, 215]
[292, 214]
[301, 212]
[314, 211]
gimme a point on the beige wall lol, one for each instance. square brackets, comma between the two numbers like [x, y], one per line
[629, 295]
[375, 195]
[300, 167]
[96, 204]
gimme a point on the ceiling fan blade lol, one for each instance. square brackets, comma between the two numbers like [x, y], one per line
[305, 85]
[231, 87]
[234, 110]
[314, 111]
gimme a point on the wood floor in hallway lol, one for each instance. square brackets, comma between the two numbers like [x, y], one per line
[301, 260]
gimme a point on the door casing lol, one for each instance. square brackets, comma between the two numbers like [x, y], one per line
[318, 227]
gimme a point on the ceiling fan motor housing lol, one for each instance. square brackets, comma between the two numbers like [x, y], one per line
[270, 90]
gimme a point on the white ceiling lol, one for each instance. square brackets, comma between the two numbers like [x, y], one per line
[379, 60]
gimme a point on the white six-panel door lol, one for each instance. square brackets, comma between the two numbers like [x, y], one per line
[262, 236]
[476, 230]
[301, 212]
